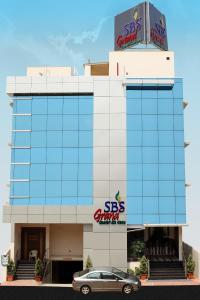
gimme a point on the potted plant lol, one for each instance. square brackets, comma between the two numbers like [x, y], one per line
[144, 268]
[190, 264]
[88, 263]
[38, 270]
[130, 272]
[11, 270]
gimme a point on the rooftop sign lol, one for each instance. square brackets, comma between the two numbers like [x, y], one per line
[143, 24]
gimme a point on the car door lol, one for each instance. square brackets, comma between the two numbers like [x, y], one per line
[110, 282]
[93, 280]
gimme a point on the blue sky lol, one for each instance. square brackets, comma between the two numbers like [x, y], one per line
[63, 32]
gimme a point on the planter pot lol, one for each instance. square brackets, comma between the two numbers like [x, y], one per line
[10, 277]
[143, 276]
[38, 278]
[190, 275]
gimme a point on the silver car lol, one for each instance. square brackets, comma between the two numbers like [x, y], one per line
[104, 279]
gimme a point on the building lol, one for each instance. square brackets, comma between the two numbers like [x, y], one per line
[97, 162]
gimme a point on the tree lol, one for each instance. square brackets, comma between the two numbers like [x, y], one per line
[88, 263]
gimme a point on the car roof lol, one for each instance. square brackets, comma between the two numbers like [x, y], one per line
[101, 269]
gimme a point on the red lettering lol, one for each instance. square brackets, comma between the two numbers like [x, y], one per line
[122, 41]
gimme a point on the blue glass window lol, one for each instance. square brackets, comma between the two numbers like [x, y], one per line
[70, 138]
[166, 154]
[53, 172]
[132, 94]
[69, 188]
[150, 219]
[166, 171]
[22, 107]
[70, 171]
[20, 155]
[134, 219]
[69, 201]
[166, 188]
[54, 155]
[54, 138]
[134, 205]
[53, 201]
[165, 106]
[85, 122]
[135, 172]
[134, 106]
[84, 201]
[134, 154]
[22, 122]
[150, 138]
[179, 155]
[166, 138]
[85, 139]
[134, 122]
[37, 172]
[85, 106]
[179, 138]
[167, 205]
[134, 138]
[179, 171]
[178, 90]
[54, 122]
[149, 122]
[178, 122]
[150, 155]
[134, 188]
[85, 155]
[20, 189]
[70, 122]
[178, 106]
[39, 122]
[53, 188]
[165, 122]
[167, 219]
[150, 188]
[39, 105]
[21, 139]
[149, 94]
[38, 155]
[85, 171]
[20, 171]
[85, 188]
[55, 105]
[149, 106]
[70, 155]
[38, 139]
[70, 106]
[37, 188]
[165, 94]
[150, 171]
[180, 205]
[150, 205]
[180, 188]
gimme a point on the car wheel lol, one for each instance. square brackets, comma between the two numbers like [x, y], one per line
[85, 290]
[127, 289]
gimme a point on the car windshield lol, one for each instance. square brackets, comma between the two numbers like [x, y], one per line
[81, 273]
[120, 273]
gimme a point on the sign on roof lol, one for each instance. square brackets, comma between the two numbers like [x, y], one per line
[143, 24]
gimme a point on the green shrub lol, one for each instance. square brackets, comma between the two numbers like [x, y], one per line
[130, 271]
[143, 265]
[38, 267]
[11, 267]
[137, 271]
[136, 249]
[88, 263]
[190, 264]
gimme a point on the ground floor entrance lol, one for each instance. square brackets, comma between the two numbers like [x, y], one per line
[32, 243]
[62, 271]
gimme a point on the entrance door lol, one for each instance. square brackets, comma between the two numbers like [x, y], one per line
[32, 239]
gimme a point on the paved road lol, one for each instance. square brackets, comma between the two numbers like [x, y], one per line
[60, 293]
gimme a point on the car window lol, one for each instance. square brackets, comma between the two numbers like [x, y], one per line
[94, 275]
[107, 275]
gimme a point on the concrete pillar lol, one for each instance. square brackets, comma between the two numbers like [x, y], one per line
[87, 243]
[180, 246]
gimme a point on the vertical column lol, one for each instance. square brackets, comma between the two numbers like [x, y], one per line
[87, 243]
[180, 244]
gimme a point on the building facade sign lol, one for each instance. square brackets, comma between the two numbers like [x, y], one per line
[111, 212]
[141, 24]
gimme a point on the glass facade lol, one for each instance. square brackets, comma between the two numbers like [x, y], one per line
[155, 154]
[52, 150]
